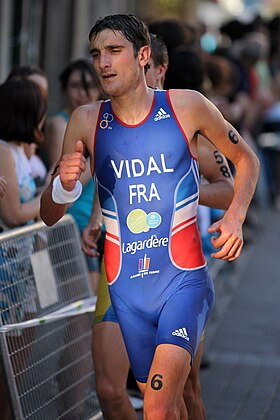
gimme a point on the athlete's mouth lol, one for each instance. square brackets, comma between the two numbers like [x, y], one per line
[108, 76]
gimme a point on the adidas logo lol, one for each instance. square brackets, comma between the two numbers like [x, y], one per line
[182, 332]
[161, 115]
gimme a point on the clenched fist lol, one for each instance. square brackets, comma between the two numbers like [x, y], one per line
[71, 166]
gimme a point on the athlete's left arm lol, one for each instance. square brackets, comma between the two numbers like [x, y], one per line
[227, 139]
[216, 188]
[198, 115]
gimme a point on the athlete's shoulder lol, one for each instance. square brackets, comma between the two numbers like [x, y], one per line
[192, 105]
[82, 124]
[185, 97]
[87, 112]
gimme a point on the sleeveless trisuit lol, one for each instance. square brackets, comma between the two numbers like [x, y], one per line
[148, 185]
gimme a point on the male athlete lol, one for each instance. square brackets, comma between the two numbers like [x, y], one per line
[109, 354]
[140, 145]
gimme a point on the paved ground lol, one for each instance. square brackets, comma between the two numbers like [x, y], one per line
[243, 335]
[243, 342]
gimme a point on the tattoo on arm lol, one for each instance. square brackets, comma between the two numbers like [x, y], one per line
[218, 157]
[233, 137]
[223, 168]
[156, 382]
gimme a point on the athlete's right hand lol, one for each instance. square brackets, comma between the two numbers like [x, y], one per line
[71, 166]
[90, 236]
[230, 242]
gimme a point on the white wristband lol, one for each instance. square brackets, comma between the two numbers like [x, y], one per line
[61, 196]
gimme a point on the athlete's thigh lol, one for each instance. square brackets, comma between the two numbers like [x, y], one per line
[185, 313]
[192, 385]
[140, 340]
[168, 374]
[109, 353]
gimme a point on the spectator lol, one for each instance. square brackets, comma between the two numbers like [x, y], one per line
[22, 111]
[34, 154]
[80, 85]
[33, 73]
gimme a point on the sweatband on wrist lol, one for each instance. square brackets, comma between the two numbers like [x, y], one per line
[61, 196]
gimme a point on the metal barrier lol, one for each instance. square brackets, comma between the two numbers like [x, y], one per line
[45, 323]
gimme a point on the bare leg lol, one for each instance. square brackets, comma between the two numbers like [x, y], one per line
[94, 277]
[111, 369]
[163, 393]
[192, 390]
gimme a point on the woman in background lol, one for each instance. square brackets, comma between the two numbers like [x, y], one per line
[22, 113]
[33, 152]
[80, 86]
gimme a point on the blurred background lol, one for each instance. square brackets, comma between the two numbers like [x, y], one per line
[50, 33]
[229, 50]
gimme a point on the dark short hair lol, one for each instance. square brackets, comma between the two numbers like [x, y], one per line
[133, 29]
[22, 108]
[25, 71]
[185, 70]
[170, 30]
[159, 52]
[83, 66]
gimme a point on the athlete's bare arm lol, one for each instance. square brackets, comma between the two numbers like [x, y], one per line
[92, 231]
[216, 188]
[198, 115]
[78, 139]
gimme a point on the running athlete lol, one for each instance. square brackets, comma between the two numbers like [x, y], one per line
[109, 354]
[139, 144]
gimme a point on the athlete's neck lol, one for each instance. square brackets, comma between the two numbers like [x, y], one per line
[133, 107]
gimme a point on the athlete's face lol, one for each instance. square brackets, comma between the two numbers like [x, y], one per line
[114, 61]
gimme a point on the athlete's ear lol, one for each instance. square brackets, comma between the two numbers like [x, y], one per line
[144, 55]
[161, 69]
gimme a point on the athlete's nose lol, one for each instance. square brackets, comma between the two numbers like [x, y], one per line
[104, 61]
